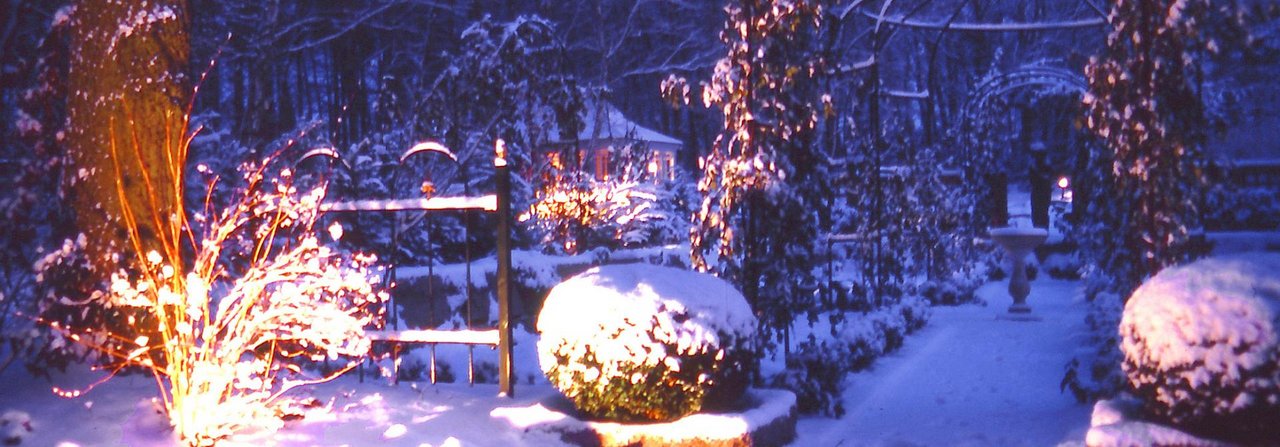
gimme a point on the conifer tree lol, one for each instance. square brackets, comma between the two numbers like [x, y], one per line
[757, 225]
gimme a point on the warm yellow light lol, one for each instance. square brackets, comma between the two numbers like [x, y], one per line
[1063, 182]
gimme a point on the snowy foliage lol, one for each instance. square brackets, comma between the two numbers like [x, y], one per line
[816, 370]
[1234, 208]
[32, 160]
[1096, 373]
[915, 227]
[1201, 345]
[591, 214]
[761, 183]
[1144, 103]
[14, 427]
[1144, 181]
[951, 291]
[228, 337]
[640, 342]
[508, 81]
[573, 213]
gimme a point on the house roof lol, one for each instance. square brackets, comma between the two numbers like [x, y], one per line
[603, 121]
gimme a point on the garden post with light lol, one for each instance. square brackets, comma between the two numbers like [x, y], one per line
[502, 175]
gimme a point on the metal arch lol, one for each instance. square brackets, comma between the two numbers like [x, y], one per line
[1025, 76]
[1055, 78]
[329, 153]
[322, 152]
[428, 146]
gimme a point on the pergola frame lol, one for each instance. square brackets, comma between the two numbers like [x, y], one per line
[886, 26]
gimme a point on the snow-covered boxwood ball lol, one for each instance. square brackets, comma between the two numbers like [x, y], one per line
[1200, 346]
[640, 342]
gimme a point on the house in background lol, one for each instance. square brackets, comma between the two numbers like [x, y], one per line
[1244, 172]
[1248, 154]
[605, 133]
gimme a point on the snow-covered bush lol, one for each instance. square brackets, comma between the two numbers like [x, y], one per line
[815, 373]
[915, 313]
[816, 370]
[1063, 265]
[950, 291]
[1094, 373]
[572, 212]
[640, 342]
[14, 426]
[1254, 208]
[235, 300]
[863, 341]
[1201, 345]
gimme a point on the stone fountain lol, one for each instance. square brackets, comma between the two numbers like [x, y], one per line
[1017, 243]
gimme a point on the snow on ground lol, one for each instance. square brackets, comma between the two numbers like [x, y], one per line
[969, 378]
[119, 413]
[965, 379]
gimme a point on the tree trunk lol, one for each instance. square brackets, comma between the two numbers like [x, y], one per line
[128, 93]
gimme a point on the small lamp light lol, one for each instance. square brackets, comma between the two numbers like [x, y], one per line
[500, 153]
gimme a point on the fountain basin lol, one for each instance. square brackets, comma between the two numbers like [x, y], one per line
[1017, 243]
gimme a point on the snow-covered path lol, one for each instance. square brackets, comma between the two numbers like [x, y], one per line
[970, 379]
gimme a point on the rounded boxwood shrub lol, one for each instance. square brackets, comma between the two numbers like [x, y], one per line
[640, 342]
[1200, 346]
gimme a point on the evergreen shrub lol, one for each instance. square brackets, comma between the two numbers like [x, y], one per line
[642, 343]
[1201, 347]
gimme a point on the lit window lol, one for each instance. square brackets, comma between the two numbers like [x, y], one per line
[662, 165]
[602, 164]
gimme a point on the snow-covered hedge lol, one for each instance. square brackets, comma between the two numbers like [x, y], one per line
[951, 291]
[883, 331]
[816, 368]
[639, 342]
[1200, 346]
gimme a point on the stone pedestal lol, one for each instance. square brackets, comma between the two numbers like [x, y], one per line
[1017, 243]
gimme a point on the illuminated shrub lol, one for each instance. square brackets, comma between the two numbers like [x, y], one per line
[641, 342]
[1200, 346]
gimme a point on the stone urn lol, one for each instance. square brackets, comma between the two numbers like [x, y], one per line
[1017, 243]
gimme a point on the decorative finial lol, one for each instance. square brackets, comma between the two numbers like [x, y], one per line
[500, 151]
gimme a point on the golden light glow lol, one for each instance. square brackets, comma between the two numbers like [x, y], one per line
[221, 363]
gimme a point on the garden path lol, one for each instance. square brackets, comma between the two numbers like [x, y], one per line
[969, 378]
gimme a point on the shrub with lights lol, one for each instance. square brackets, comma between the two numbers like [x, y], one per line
[640, 343]
[574, 212]
[234, 300]
[1201, 346]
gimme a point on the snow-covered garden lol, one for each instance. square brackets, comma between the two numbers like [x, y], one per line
[635, 222]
